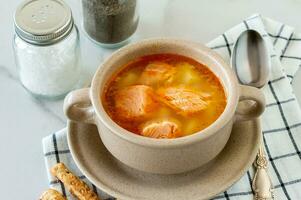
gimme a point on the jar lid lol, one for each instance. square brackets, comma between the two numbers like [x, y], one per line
[43, 22]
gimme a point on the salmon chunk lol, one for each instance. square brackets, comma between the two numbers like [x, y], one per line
[134, 102]
[161, 129]
[156, 73]
[184, 100]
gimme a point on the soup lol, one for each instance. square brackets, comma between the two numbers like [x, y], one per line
[164, 96]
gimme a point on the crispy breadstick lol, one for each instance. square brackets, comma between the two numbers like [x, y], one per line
[52, 194]
[76, 187]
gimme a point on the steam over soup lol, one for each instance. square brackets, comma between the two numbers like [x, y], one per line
[164, 96]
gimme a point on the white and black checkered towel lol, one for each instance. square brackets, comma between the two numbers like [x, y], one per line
[281, 121]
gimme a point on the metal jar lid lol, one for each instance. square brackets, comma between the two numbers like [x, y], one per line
[43, 22]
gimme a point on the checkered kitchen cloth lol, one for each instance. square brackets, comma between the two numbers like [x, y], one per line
[281, 122]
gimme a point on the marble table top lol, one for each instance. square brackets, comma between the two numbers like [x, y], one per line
[24, 120]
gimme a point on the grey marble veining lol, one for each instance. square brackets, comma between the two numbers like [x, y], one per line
[39, 102]
[5, 72]
[24, 120]
[48, 110]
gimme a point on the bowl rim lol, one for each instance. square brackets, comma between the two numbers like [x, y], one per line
[223, 119]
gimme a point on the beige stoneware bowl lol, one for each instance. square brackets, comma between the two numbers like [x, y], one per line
[164, 156]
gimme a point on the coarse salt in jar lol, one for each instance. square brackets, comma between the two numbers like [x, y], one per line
[46, 47]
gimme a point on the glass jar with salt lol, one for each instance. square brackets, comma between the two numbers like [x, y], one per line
[46, 47]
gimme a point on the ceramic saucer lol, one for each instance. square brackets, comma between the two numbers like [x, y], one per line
[125, 183]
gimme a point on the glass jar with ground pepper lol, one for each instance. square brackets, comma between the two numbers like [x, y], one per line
[110, 23]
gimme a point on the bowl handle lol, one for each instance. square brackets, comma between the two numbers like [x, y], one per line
[247, 109]
[78, 107]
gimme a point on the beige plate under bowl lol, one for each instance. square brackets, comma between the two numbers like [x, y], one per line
[125, 183]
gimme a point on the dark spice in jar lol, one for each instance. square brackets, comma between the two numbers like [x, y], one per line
[110, 21]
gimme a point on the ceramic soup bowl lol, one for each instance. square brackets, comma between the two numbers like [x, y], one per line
[164, 156]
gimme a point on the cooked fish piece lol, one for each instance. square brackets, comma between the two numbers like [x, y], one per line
[184, 100]
[156, 73]
[134, 102]
[165, 128]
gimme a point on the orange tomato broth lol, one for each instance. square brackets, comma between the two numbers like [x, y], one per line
[189, 73]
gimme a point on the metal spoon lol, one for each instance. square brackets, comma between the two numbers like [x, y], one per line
[251, 62]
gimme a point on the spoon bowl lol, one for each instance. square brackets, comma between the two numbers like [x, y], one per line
[250, 59]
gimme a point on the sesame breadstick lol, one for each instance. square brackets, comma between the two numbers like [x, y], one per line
[52, 194]
[76, 187]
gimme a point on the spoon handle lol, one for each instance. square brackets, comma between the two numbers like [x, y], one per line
[262, 184]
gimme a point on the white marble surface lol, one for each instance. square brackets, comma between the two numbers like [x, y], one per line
[24, 121]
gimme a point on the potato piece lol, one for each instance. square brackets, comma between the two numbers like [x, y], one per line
[76, 187]
[187, 74]
[163, 112]
[165, 128]
[134, 102]
[191, 125]
[52, 194]
[157, 73]
[128, 79]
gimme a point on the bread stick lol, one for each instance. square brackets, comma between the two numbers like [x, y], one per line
[52, 194]
[76, 187]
